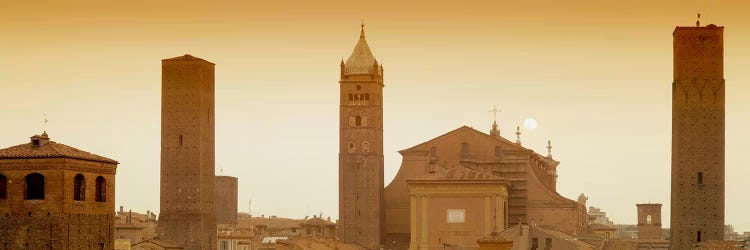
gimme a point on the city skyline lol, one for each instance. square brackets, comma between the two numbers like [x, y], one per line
[277, 92]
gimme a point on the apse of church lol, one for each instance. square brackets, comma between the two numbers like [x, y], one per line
[532, 179]
[361, 148]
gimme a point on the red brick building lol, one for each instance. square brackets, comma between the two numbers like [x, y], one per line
[53, 196]
[361, 148]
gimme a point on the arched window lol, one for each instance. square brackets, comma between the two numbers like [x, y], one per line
[101, 189]
[356, 97]
[358, 121]
[648, 219]
[34, 187]
[3, 187]
[699, 236]
[367, 96]
[351, 97]
[365, 146]
[79, 188]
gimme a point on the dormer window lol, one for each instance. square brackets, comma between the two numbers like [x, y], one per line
[35, 142]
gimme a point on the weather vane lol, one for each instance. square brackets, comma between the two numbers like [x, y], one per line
[45, 123]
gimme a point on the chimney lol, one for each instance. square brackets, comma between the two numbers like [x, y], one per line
[148, 215]
[130, 217]
[121, 211]
[39, 140]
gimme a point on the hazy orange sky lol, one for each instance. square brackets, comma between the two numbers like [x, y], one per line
[595, 74]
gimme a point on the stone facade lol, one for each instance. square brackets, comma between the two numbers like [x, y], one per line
[697, 202]
[455, 207]
[225, 200]
[361, 148]
[533, 178]
[649, 221]
[187, 213]
[55, 197]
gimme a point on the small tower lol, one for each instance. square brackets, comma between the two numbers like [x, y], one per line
[649, 221]
[361, 213]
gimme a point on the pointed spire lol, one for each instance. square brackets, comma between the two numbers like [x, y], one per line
[549, 149]
[361, 60]
[518, 135]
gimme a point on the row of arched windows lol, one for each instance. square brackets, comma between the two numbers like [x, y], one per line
[359, 97]
[35, 185]
[79, 188]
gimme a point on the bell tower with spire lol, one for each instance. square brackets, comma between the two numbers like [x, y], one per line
[361, 213]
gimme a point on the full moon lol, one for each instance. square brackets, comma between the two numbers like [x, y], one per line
[530, 124]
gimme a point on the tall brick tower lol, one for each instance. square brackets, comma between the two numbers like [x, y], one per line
[361, 213]
[187, 153]
[697, 209]
[649, 221]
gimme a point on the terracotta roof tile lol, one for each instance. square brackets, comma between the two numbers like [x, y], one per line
[50, 150]
[315, 221]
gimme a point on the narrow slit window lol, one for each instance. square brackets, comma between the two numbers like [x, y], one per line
[700, 178]
[699, 236]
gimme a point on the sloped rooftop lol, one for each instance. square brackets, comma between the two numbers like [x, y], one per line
[49, 149]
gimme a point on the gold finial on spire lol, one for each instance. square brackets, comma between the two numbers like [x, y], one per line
[549, 148]
[362, 31]
[494, 131]
[518, 135]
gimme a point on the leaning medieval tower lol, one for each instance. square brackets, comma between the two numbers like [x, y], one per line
[361, 148]
[697, 209]
[187, 213]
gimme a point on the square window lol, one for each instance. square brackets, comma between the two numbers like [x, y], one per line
[456, 215]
